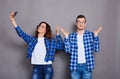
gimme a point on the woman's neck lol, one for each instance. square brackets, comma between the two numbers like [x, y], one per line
[40, 35]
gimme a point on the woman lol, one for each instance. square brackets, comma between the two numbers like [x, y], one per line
[41, 48]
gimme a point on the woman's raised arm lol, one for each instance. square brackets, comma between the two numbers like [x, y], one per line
[12, 15]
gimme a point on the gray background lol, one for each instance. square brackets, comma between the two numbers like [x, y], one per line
[13, 64]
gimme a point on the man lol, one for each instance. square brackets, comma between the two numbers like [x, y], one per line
[81, 46]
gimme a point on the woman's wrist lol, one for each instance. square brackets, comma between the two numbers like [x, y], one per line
[12, 20]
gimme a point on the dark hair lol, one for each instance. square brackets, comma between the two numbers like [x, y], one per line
[48, 33]
[81, 16]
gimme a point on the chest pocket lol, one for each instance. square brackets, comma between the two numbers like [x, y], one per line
[73, 40]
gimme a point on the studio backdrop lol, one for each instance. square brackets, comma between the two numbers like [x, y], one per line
[13, 50]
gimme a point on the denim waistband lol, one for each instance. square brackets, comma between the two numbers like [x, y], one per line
[81, 64]
[42, 65]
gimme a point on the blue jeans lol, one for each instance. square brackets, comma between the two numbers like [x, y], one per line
[81, 73]
[42, 72]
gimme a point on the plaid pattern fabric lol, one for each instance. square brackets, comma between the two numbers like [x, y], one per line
[91, 45]
[51, 45]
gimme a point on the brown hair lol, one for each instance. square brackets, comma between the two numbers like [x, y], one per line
[81, 16]
[48, 33]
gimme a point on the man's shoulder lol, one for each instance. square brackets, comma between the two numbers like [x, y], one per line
[88, 32]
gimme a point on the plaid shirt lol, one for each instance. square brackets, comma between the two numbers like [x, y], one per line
[51, 45]
[91, 45]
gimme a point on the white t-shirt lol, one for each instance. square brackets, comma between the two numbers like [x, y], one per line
[39, 53]
[81, 51]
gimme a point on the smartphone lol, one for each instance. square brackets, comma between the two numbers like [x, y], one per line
[15, 13]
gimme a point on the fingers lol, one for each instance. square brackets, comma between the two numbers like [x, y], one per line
[58, 27]
[99, 28]
[64, 32]
[13, 14]
[96, 32]
[57, 30]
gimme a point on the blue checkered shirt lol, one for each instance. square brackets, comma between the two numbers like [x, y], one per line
[91, 45]
[51, 44]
